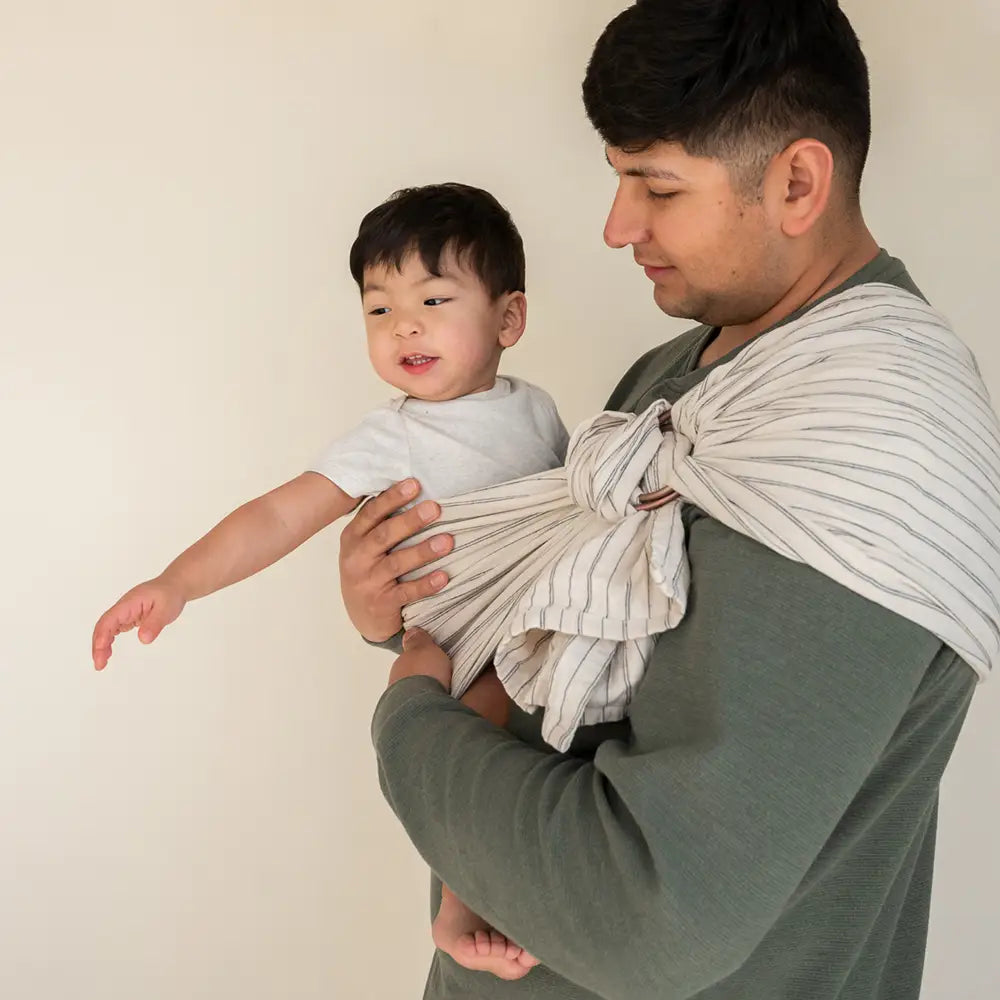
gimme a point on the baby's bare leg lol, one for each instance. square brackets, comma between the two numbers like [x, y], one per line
[486, 695]
[471, 942]
[457, 931]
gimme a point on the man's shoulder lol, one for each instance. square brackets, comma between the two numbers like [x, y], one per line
[669, 360]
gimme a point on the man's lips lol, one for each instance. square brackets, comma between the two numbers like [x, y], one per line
[654, 270]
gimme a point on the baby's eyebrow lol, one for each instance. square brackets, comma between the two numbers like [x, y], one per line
[443, 276]
[371, 286]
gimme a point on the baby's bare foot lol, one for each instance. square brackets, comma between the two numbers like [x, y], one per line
[471, 942]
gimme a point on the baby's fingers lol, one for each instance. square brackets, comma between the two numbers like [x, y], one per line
[122, 617]
[153, 623]
[113, 622]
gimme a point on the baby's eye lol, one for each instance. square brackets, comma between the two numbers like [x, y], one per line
[435, 302]
[378, 311]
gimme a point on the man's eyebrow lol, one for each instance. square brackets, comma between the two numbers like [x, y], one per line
[656, 173]
[371, 287]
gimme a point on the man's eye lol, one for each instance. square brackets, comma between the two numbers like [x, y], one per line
[662, 195]
[435, 302]
[378, 311]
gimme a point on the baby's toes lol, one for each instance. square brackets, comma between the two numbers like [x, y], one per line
[464, 949]
[498, 944]
[513, 951]
[484, 943]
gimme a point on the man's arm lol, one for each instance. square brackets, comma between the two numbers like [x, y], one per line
[657, 868]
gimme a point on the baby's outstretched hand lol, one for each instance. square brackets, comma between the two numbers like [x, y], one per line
[151, 606]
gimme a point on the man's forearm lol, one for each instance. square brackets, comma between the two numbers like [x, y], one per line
[530, 840]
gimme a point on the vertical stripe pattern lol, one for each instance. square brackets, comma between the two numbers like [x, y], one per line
[858, 439]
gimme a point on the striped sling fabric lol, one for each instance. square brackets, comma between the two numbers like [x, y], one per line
[858, 439]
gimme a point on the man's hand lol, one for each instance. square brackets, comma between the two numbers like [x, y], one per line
[370, 570]
[421, 658]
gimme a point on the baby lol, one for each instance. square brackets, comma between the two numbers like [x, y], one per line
[441, 274]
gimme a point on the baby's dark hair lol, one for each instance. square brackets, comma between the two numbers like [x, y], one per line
[436, 219]
[733, 80]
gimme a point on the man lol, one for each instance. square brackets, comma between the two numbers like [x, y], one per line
[763, 826]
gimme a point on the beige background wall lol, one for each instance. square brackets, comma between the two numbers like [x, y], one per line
[179, 184]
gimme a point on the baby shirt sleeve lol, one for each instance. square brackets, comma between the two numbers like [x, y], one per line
[550, 423]
[371, 457]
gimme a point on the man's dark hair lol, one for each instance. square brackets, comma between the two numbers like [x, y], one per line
[733, 80]
[440, 218]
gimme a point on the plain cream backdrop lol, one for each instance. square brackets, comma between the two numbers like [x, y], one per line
[179, 185]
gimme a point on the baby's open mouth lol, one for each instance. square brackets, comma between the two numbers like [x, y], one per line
[412, 361]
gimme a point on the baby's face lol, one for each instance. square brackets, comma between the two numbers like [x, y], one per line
[433, 337]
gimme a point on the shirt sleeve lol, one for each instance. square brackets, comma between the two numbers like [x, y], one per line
[371, 457]
[550, 423]
[656, 868]
[394, 644]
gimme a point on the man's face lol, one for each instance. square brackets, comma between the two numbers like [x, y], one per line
[713, 255]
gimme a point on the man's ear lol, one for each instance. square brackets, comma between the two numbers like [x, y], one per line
[513, 318]
[798, 184]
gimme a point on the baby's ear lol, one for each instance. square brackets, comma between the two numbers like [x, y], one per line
[513, 318]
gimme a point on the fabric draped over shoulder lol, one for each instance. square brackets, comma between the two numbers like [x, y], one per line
[858, 439]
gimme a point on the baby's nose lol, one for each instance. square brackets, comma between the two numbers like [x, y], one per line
[407, 328]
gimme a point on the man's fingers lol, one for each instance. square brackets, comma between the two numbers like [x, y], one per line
[387, 535]
[413, 590]
[381, 507]
[371, 566]
[414, 557]
[360, 550]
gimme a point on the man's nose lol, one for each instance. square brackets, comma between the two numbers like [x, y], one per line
[627, 222]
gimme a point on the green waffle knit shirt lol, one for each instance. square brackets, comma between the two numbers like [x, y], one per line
[761, 828]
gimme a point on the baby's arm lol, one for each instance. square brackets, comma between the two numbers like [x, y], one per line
[248, 540]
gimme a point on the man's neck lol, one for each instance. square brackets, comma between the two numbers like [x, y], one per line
[824, 275]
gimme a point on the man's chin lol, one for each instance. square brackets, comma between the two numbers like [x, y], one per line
[672, 305]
